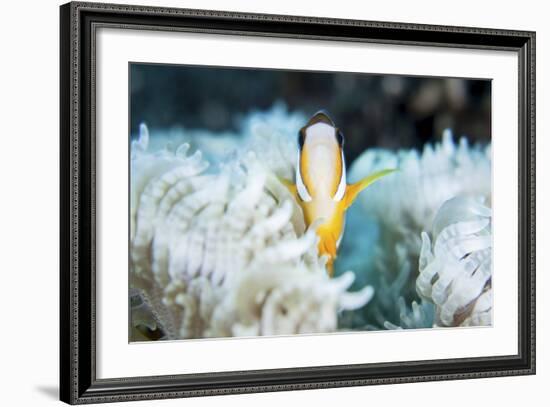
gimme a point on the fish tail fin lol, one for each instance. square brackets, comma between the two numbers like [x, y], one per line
[330, 267]
[327, 247]
[353, 190]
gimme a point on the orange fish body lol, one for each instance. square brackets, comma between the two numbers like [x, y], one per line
[321, 189]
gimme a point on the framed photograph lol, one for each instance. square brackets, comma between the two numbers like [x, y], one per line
[255, 203]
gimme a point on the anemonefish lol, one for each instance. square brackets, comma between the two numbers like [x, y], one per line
[320, 186]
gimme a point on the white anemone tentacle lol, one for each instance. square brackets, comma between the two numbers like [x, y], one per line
[456, 275]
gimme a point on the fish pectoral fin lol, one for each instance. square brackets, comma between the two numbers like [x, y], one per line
[353, 190]
[290, 186]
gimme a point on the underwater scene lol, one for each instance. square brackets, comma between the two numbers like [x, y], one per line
[279, 202]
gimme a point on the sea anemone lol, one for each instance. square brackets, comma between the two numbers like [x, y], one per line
[392, 215]
[226, 253]
[455, 271]
[222, 249]
[405, 203]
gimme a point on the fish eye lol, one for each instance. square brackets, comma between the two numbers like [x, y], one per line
[301, 138]
[340, 137]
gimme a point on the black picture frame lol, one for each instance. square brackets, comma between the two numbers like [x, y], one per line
[78, 382]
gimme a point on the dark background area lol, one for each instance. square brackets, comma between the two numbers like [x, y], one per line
[388, 111]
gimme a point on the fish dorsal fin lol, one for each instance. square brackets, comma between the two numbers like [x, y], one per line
[321, 116]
